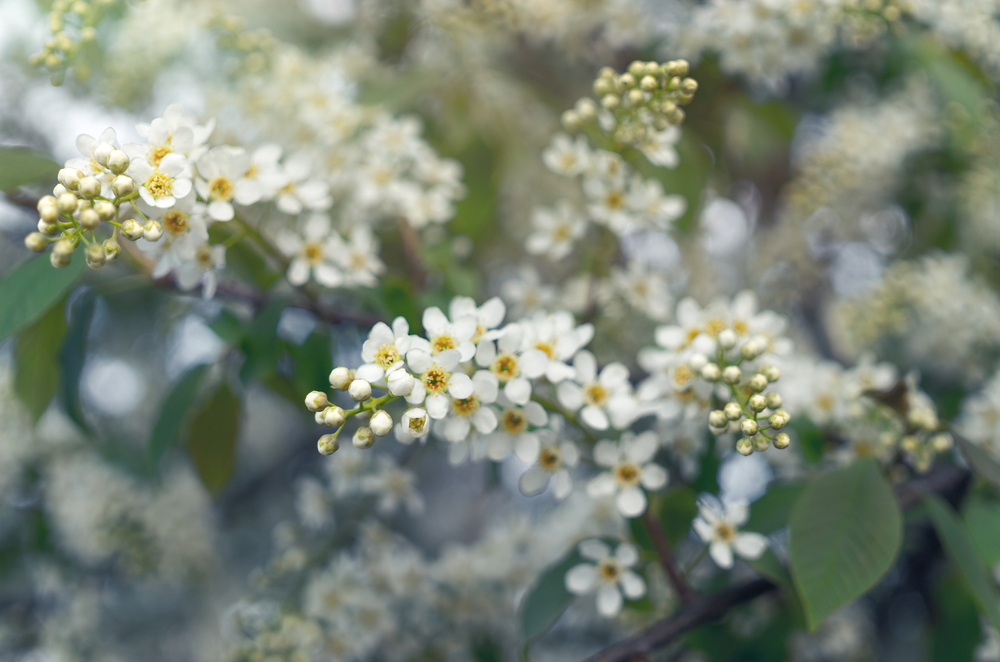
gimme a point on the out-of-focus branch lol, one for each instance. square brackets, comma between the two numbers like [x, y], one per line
[411, 253]
[944, 480]
[667, 560]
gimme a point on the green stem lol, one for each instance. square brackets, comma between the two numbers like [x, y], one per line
[552, 407]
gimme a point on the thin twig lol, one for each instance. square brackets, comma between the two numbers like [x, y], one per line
[667, 560]
[411, 253]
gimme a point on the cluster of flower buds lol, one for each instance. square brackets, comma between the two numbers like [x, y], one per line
[924, 438]
[757, 415]
[72, 23]
[80, 203]
[379, 422]
[646, 98]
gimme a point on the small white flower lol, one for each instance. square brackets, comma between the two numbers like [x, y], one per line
[444, 334]
[385, 350]
[555, 231]
[311, 253]
[554, 460]
[221, 181]
[559, 339]
[394, 486]
[488, 316]
[659, 146]
[629, 470]
[202, 268]
[567, 157]
[414, 424]
[605, 398]
[513, 433]
[161, 186]
[610, 575]
[358, 257]
[470, 412]
[438, 381]
[721, 532]
[294, 187]
[512, 369]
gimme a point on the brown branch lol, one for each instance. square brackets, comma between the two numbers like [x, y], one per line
[684, 591]
[947, 481]
[411, 254]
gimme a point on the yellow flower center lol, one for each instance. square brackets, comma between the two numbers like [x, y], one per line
[550, 459]
[714, 325]
[204, 256]
[505, 366]
[417, 423]
[312, 252]
[595, 394]
[442, 343]
[609, 570]
[514, 421]
[683, 374]
[386, 355]
[466, 406]
[221, 189]
[725, 532]
[159, 185]
[159, 152]
[546, 347]
[436, 379]
[614, 200]
[741, 327]
[627, 474]
[176, 222]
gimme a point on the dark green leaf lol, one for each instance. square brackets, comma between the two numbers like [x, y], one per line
[19, 166]
[962, 551]
[31, 289]
[845, 531]
[212, 437]
[955, 634]
[770, 512]
[37, 358]
[174, 413]
[810, 438]
[73, 355]
[260, 343]
[545, 602]
[983, 462]
[228, 327]
[982, 517]
[677, 508]
[313, 363]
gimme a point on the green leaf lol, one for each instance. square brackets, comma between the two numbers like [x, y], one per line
[980, 460]
[981, 517]
[770, 512]
[545, 602]
[228, 327]
[19, 166]
[810, 438]
[31, 289]
[313, 363]
[845, 531]
[677, 508]
[770, 567]
[955, 633]
[73, 355]
[212, 437]
[962, 551]
[260, 343]
[37, 359]
[174, 412]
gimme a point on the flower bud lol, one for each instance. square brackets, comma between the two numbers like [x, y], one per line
[773, 400]
[587, 109]
[36, 242]
[363, 437]
[751, 349]
[66, 203]
[733, 411]
[648, 83]
[400, 382]
[757, 402]
[70, 178]
[941, 442]
[132, 229]
[46, 201]
[118, 162]
[415, 422]
[333, 416]
[726, 338]
[102, 152]
[360, 390]
[718, 419]
[610, 101]
[328, 444]
[758, 382]
[89, 219]
[711, 372]
[316, 401]
[105, 210]
[64, 248]
[58, 260]
[341, 378]
[732, 375]
[781, 440]
[49, 213]
[95, 256]
[697, 361]
[777, 421]
[744, 446]
[111, 249]
[760, 442]
[48, 229]
[627, 81]
[571, 120]
[635, 97]
[123, 185]
[749, 427]
[771, 373]
[152, 230]
[381, 423]
[90, 187]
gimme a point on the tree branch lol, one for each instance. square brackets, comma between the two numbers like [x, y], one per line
[684, 591]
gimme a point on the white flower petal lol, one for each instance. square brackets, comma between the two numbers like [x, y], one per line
[581, 578]
[594, 549]
[460, 386]
[750, 545]
[533, 481]
[633, 585]
[653, 477]
[722, 554]
[609, 600]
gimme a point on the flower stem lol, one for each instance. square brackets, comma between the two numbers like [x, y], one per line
[667, 560]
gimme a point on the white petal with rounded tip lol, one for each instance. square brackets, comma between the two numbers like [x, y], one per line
[498, 447]
[298, 272]
[602, 485]
[722, 554]
[464, 327]
[434, 321]
[606, 453]
[419, 360]
[456, 428]
[526, 447]
[703, 529]
[594, 549]
[594, 417]
[581, 578]
[738, 513]
[613, 374]
[534, 362]
[570, 454]
[492, 312]
[570, 395]
[535, 413]
[562, 484]
[370, 372]
[627, 554]
[533, 481]
[750, 545]
[643, 448]
[437, 406]
[653, 477]
[486, 353]
[586, 367]
[609, 600]
[518, 390]
[631, 502]
[448, 359]
[633, 585]
[327, 275]
[485, 420]
[460, 386]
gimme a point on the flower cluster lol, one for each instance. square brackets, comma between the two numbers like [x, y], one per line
[73, 26]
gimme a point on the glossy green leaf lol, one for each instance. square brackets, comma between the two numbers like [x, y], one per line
[844, 534]
[962, 551]
[677, 509]
[260, 343]
[20, 166]
[545, 602]
[313, 363]
[37, 359]
[73, 356]
[228, 327]
[982, 517]
[770, 512]
[983, 463]
[174, 412]
[212, 437]
[31, 289]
